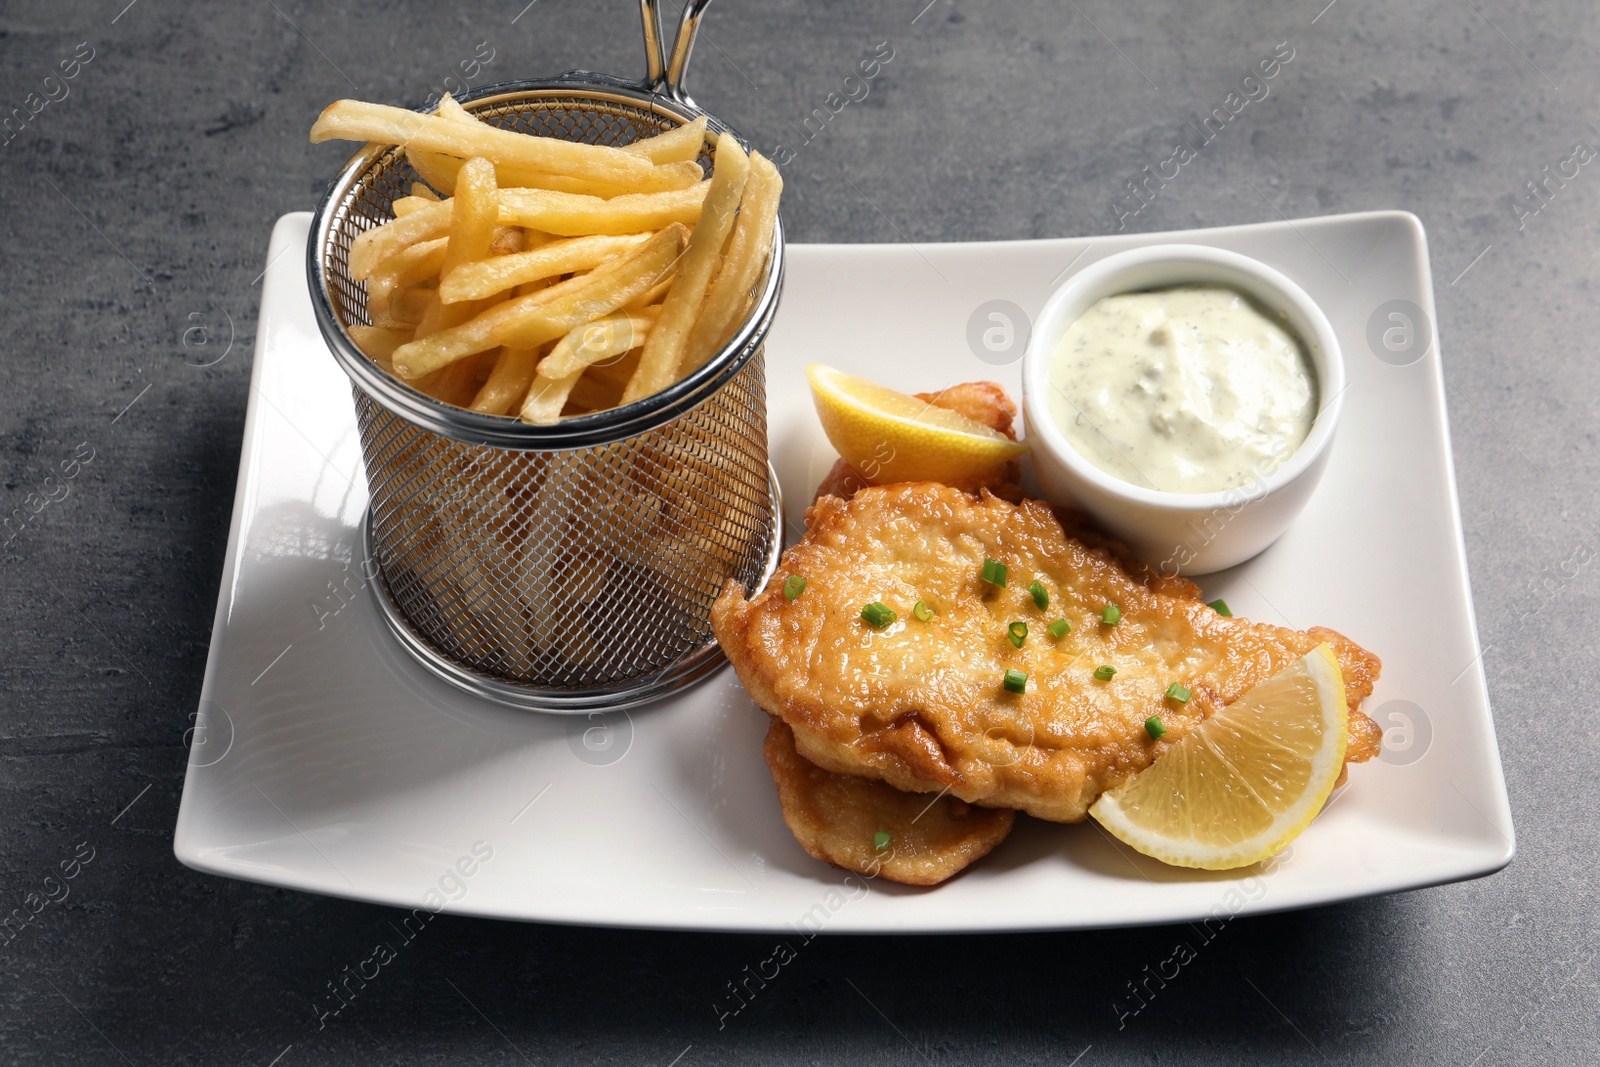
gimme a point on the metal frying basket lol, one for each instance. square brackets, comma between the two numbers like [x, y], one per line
[570, 567]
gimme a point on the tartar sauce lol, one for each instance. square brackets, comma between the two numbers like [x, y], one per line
[1186, 390]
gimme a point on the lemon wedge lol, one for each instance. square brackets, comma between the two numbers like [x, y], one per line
[890, 436]
[1241, 785]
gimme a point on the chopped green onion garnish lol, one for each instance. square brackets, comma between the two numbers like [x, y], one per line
[1041, 595]
[793, 586]
[1059, 629]
[1220, 606]
[880, 840]
[922, 611]
[1177, 693]
[994, 572]
[1104, 672]
[1016, 682]
[1018, 632]
[1111, 615]
[1153, 727]
[877, 615]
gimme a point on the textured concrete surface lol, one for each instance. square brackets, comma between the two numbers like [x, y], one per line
[137, 208]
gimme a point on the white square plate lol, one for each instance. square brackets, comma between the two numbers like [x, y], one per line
[328, 761]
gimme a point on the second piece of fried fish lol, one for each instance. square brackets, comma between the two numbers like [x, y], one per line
[838, 817]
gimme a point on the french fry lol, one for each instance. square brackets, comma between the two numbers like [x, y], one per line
[675, 173]
[527, 321]
[748, 250]
[472, 222]
[663, 179]
[560, 372]
[376, 342]
[508, 382]
[410, 305]
[437, 170]
[573, 214]
[405, 205]
[475, 281]
[419, 189]
[546, 399]
[654, 295]
[432, 319]
[352, 120]
[663, 352]
[602, 339]
[682, 144]
[472, 232]
[379, 243]
[450, 108]
[409, 266]
[440, 170]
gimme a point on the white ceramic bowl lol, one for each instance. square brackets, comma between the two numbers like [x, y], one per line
[1187, 533]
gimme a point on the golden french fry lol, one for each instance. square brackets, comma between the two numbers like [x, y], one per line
[559, 373]
[449, 107]
[527, 321]
[432, 319]
[547, 397]
[548, 289]
[663, 179]
[472, 223]
[573, 214]
[472, 231]
[664, 350]
[353, 120]
[682, 144]
[416, 263]
[419, 189]
[475, 281]
[748, 250]
[672, 174]
[376, 342]
[381, 242]
[410, 305]
[405, 205]
[508, 382]
[654, 295]
[602, 339]
[437, 170]
[440, 170]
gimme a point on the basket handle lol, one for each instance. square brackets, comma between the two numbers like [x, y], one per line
[663, 75]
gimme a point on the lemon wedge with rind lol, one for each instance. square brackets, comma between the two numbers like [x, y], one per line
[1238, 787]
[891, 436]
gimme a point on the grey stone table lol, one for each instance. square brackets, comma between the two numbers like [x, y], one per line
[138, 196]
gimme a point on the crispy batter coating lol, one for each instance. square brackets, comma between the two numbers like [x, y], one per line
[920, 705]
[836, 817]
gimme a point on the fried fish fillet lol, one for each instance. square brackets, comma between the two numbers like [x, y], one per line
[837, 817]
[921, 706]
